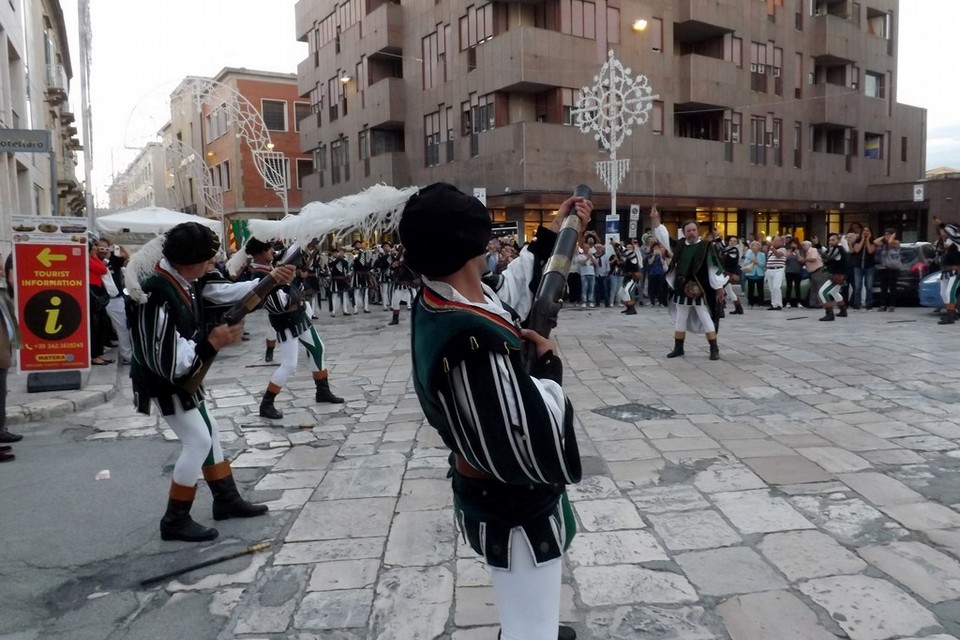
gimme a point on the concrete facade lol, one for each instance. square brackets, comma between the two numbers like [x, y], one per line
[772, 117]
[33, 36]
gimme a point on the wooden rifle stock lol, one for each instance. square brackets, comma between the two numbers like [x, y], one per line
[239, 311]
[553, 282]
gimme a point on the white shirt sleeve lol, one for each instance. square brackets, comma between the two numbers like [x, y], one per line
[514, 286]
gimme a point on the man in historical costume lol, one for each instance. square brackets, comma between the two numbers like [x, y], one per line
[831, 291]
[170, 345]
[362, 268]
[340, 284]
[289, 316]
[631, 294]
[511, 433]
[731, 266]
[404, 282]
[949, 269]
[697, 279]
[382, 267]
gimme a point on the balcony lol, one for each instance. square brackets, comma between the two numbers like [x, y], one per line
[835, 40]
[527, 59]
[709, 81]
[57, 84]
[388, 168]
[304, 13]
[382, 30]
[698, 20]
[385, 103]
[835, 105]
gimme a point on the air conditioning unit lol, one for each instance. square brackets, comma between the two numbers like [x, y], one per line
[753, 67]
[761, 68]
[776, 72]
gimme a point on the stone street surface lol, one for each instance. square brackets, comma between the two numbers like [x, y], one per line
[805, 487]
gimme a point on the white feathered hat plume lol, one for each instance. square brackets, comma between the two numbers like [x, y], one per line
[377, 207]
[141, 265]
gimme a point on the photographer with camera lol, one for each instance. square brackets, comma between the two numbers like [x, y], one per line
[887, 252]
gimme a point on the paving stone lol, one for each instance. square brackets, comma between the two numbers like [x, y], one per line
[648, 622]
[880, 489]
[834, 459]
[755, 448]
[636, 473]
[306, 459]
[694, 530]
[329, 550]
[344, 574]
[412, 603]
[245, 575]
[608, 515]
[290, 480]
[273, 603]
[667, 498]
[849, 520]
[618, 450]
[759, 512]
[257, 458]
[801, 555]
[893, 456]
[926, 443]
[420, 538]
[333, 519]
[629, 584]
[290, 499]
[421, 495]
[615, 547]
[474, 606]
[340, 484]
[869, 608]
[774, 614]
[472, 572]
[923, 515]
[792, 469]
[722, 572]
[947, 539]
[932, 575]
[727, 477]
[593, 488]
[684, 444]
[334, 609]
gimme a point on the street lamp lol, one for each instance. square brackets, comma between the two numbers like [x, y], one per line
[639, 25]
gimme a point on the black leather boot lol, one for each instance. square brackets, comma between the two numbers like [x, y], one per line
[323, 391]
[563, 633]
[396, 318]
[677, 348]
[714, 349]
[829, 316]
[737, 309]
[177, 524]
[947, 318]
[267, 410]
[268, 355]
[631, 311]
[227, 502]
[843, 312]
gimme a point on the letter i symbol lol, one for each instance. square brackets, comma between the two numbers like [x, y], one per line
[51, 327]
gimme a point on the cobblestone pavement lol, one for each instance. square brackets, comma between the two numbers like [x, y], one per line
[804, 487]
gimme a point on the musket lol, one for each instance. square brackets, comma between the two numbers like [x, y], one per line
[206, 563]
[549, 297]
[239, 311]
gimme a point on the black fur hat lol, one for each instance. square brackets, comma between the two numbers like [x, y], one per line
[190, 243]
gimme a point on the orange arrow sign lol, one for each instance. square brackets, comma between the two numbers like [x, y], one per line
[47, 258]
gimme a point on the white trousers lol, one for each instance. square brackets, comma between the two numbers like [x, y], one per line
[774, 281]
[118, 316]
[527, 596]
[341, 301]
[361, 295]
[400, 294]
[290, 356]
[385, 295]
[683, 312]
[731, 296]
[198, 440]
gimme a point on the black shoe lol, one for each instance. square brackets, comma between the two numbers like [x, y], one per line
[677, 349]
[947, 319]
[7, 457]
[843, 312]
[268, 355]
[227, 501]
[714, 350]
[267, 410]
[6, 449]
[324, 394]
[177, 524]
[396, 320]
[631, 311]
[6, 436]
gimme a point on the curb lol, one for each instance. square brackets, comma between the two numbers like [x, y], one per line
[67, 402]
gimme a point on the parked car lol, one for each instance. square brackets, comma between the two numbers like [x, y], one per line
[916, 258]
[930, 291]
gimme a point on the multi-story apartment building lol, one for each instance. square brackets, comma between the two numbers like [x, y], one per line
[773, 116]
[244, 112]
[144, 182]
[35, 72]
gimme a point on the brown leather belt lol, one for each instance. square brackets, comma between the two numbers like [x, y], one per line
[467, 470]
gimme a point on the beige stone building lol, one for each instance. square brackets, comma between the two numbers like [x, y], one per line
[773, 116]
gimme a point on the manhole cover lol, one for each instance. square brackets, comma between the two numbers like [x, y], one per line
[633, 412]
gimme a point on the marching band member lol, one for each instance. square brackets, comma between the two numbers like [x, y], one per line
[404, 280]
[362, 268]
[382, 267]
[339, 283]
[835, 262]
[511, 433]
[170, 344]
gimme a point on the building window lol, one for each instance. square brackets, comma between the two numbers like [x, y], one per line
[304, 169]
[225, 177]
[775, 143]
[446, 130]
[429, 64]
[874, 84]
[733, 49]
[873, 145]
[278, 165]
[758, 67]
[758, 152]
[363, 148]
[613, 25]
[320, 163]
[656, 118]
[339, 161]
[798, 76]
[777, 71]
[274, 114]
[479, 25]
[656, 34]
[578, 18]
[903, 148]
[431, 137]
[301, 110]
[566, 107]
[797, 145]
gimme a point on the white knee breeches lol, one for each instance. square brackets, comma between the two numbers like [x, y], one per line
[200, 438]
[527, 596]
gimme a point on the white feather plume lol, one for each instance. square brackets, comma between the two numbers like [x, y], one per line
[238, 261]
[268, 230]
[141, 266]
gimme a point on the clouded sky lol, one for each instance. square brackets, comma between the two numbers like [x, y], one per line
[142, 49]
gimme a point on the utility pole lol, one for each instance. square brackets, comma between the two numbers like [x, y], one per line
[86, 115]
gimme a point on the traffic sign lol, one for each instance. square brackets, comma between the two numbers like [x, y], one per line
[52, 305]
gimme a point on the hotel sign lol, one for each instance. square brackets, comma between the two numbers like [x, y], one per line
[24, 141]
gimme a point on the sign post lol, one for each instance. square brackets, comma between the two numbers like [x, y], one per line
[52, 293]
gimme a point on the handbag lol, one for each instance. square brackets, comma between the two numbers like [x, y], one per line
[891, 259]
[692, 289]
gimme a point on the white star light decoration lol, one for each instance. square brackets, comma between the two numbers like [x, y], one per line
[613, 104]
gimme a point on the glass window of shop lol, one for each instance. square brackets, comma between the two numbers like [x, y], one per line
[778, 223]
[724, 221]
[533, 218]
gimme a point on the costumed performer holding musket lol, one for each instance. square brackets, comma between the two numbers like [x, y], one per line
[950, 269]
[511, 432]
[697, 280]
[289, 315]
[170, 346]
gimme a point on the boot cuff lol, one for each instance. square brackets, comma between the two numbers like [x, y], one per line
[218, 471]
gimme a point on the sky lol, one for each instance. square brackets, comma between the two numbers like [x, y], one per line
[142, 49]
